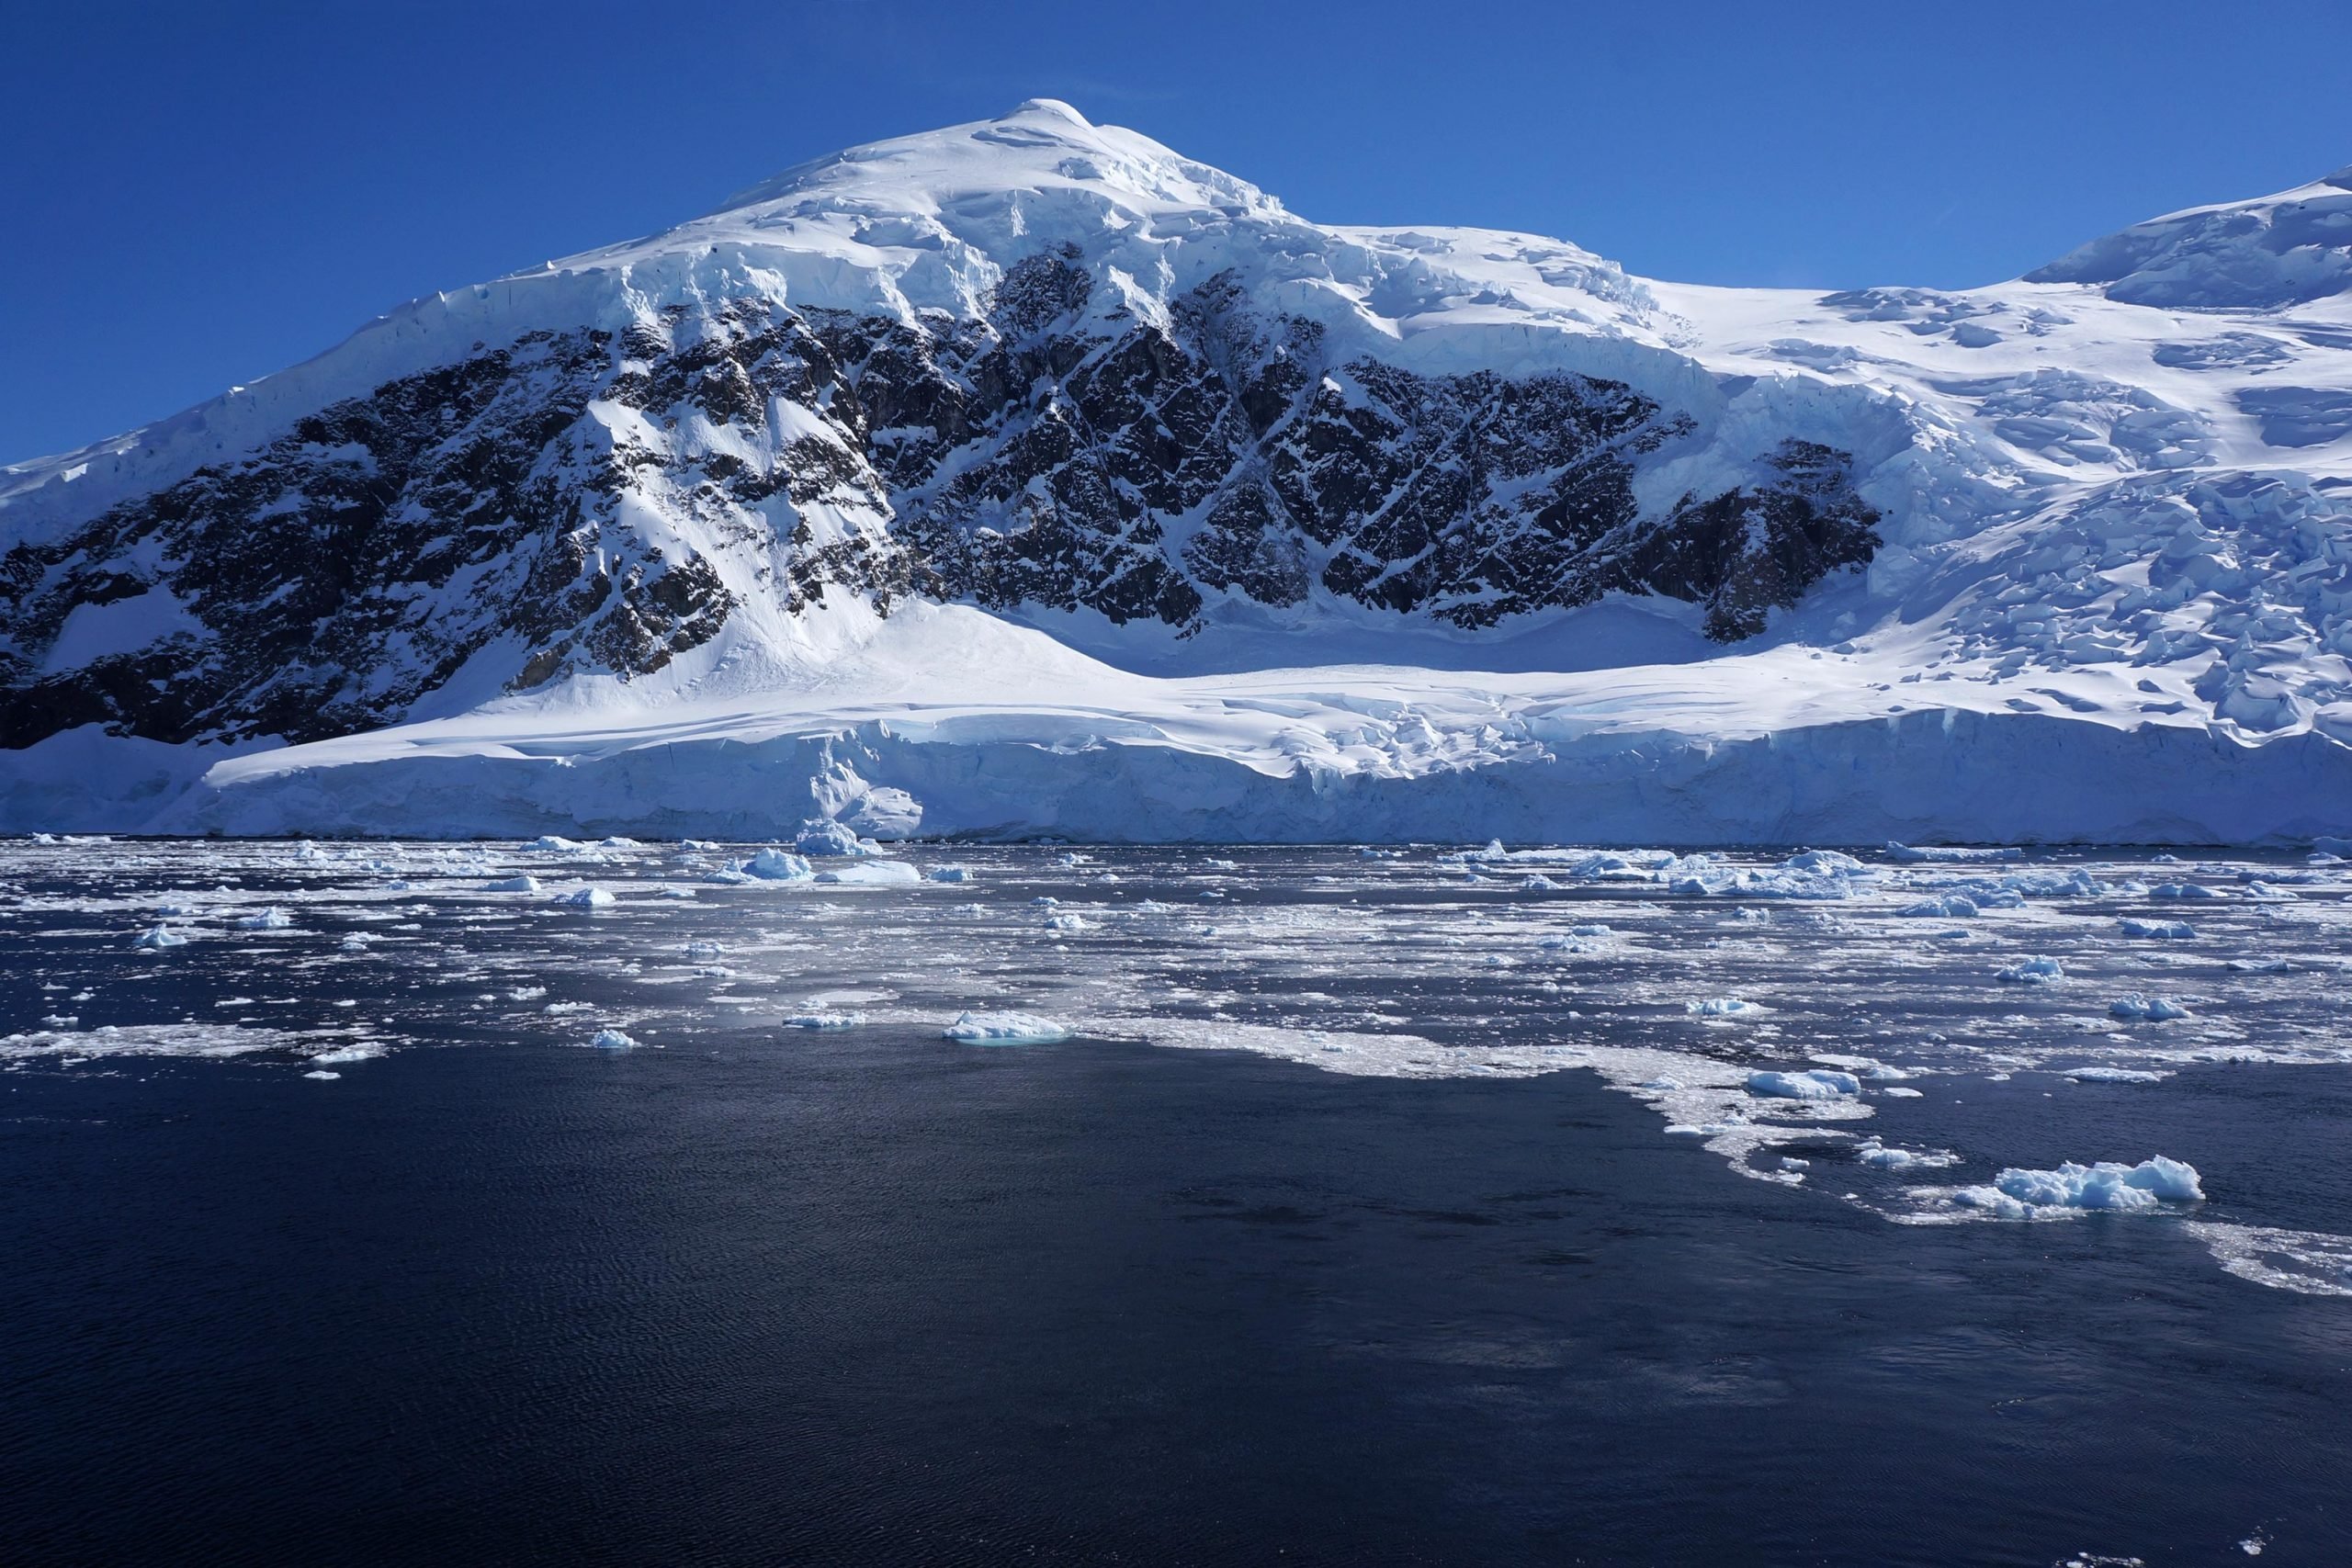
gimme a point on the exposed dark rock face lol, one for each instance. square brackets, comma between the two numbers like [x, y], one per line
[587, 500]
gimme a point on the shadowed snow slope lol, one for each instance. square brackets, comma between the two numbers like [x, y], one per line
[1027, 477]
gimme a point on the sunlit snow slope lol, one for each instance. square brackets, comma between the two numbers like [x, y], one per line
[1026, 477]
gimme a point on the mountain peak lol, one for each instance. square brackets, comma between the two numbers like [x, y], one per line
[1051, 109]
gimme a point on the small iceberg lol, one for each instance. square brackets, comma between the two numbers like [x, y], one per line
[2158, 1009]
[158, 939]
[513, 885]
[586, 898]
[826, 1020]
[612, 1040]
[2032, 972]
[818, 836]
[1954, 907]
[1005, 1029]
[1818, 1083]
[270, 919]
[776, 865]
[1724, 1006]
[2018, 1194]
[2176, 931]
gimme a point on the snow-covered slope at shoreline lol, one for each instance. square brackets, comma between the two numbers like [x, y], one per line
[1224, 508]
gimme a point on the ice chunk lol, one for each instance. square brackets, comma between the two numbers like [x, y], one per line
[951, 874]
[870, 872]
[157, 939]
[1953, 907]
[586, 898]
[2107, 1185]
[344, 1054]
[1724, 1006]
[1826, 863]
[1005, 1029]
[2178, 930]
[322, 1075]
[827, 1021]
[551, 845]
[2111, 1075]
[2184, 890]
[513, 885]
[1818, 1083]
[775, 866]
[819, 836]
[613, 1040]
[2159, 1010]
[1877, 1154]
[2032, 972]
[270, 919]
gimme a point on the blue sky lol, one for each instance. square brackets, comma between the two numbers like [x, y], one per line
[196, 195]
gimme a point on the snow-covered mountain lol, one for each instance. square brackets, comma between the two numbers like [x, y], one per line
[1028, 475]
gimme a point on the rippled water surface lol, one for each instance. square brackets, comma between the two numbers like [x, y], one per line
[1380, 1207]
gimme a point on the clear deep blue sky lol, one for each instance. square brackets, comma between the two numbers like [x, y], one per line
[194, 195]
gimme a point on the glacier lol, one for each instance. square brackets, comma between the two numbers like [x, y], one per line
[1026, 479]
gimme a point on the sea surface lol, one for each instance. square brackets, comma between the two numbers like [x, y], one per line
[1379, 1207]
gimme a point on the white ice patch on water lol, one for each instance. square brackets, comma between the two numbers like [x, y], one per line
[870, 874]
[2019, 1194]
[1818, 1083]
[825, 1020]
[776, 865]
[1005, 1029]
[157, 1040]
[2314, 1263]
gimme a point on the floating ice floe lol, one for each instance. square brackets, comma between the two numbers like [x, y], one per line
[2176, 931]
[951, 874]
[1724, 1006]
[513, 885]
[551, 844]
[2032, 972]
[1005, 1029]
[1876, 1153]
[586, 898]
[1817, 1083]
[776, 865]
[1953, 907]
[2184, 890]
[270, 919]
[825, 1020]
[2018, 1194]
[2314, 1263]
[322, 1075]
[344, 1054]
[870, 874]
[613, 1040]
[821, 836]
[2157, 1010]
[157, 939]
[2111, 1075]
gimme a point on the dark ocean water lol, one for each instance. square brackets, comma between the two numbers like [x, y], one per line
[871, 1297]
